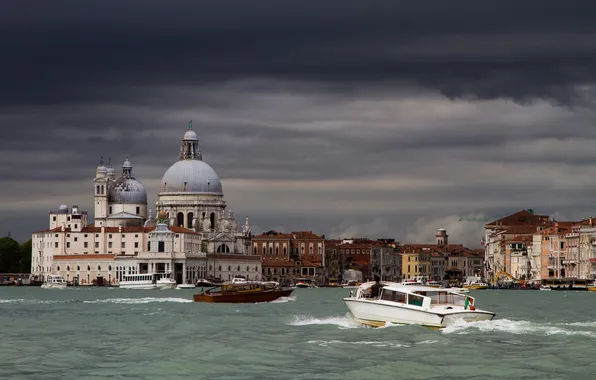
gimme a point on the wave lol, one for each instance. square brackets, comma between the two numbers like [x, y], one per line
[517, 328]
[372, 343]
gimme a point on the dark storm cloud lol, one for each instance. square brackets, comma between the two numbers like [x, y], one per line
[92, 51]
[369, 115]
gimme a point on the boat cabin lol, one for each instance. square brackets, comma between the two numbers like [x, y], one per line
[421, 296]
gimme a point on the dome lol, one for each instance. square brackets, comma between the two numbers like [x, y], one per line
[191, 176]
[111, 171]
[190, 135]
[101, 169]
[127, 190]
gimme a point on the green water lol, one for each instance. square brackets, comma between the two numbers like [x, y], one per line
[125, 334]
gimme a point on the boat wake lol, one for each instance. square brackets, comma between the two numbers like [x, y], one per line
[134, 301]
[521, 328]
[372, 343]
[284, 299]
[108, 300]
[342, 322]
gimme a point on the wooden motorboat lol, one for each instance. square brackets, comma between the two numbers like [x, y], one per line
[245, 292]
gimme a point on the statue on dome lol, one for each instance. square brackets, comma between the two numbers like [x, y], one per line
[206, 224]
[162, 217]
[246, 228]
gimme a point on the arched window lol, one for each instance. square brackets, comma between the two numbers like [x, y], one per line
[98, 268]
[255, 250]
[223, 248]
[270, 250]
[110, 268]
[229, 268]
[189, 218]
[78, 267]
[180, 220]
[88, 267]
[238, 268]
[276, 251]
[97, 190]
[285, 251]
[68, 268]
[247, 269]
[264, 251]
[212, 220]
[58, 268]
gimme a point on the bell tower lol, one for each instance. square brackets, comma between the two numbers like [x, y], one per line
[100, 200]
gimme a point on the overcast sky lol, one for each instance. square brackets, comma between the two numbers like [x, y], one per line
[352, 118]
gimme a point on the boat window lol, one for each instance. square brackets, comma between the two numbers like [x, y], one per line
[391, 295]
[415, 300]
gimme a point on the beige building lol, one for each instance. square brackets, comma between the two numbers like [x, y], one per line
[192, 237]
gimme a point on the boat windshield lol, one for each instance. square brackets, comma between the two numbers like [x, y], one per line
[445, 298]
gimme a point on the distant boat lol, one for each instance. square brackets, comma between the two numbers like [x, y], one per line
[147, 281]
[244, 292]
[186, 286]
[54, 282]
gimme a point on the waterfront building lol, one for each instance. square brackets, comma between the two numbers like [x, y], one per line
[192, 236]
[499, 236]
[286, 257]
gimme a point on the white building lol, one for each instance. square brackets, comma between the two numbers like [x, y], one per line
[192, 237]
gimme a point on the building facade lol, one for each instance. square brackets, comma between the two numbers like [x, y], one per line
[192, 236]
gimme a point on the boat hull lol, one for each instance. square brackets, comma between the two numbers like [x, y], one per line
[243, 297]
[591, 288]
[53, 286]
[376, 314]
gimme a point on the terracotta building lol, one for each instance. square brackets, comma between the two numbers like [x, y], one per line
[285, 257]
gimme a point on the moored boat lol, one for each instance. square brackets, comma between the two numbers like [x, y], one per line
[305, 283]
[244, 292]
[54, 282]
[420, 305]
[203, 283]
[186, 286]
[544, 287]
[592, 287]
[147, 281]
[476, 285]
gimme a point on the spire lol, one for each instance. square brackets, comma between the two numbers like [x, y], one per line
[101, 161]
[190, 149]
[189, 124]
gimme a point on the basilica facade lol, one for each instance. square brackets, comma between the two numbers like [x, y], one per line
[193, 235]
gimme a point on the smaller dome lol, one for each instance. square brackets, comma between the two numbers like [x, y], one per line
[191, 135]
[101, 169]
[126, 164]
[127, 190]
[110, 170]
[63, 208]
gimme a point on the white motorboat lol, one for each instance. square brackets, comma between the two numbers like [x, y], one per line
[352, 284]
[420, 305]
[54, 281]
[305, 283]
[545, 287]
[459, 290]
[148, 281]
[186, 286]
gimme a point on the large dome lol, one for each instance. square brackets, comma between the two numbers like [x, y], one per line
[191, 176]
[127, 190]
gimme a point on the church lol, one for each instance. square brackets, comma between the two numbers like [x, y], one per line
[192, 235]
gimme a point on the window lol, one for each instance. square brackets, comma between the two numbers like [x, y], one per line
[138, 210]
[110, 209]
[67, 244]
[56, 245]
[123, 245]
[136, 244]
[148, 246]
[88, 267]
[85, 245]
[76, 239]
[96, 244]
[109, 244]
[161, 246]
[53, 218]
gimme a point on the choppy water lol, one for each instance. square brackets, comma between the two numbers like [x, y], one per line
[92, 333]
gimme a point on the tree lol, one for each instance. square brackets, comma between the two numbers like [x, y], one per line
[25, 261]
[10, 255]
